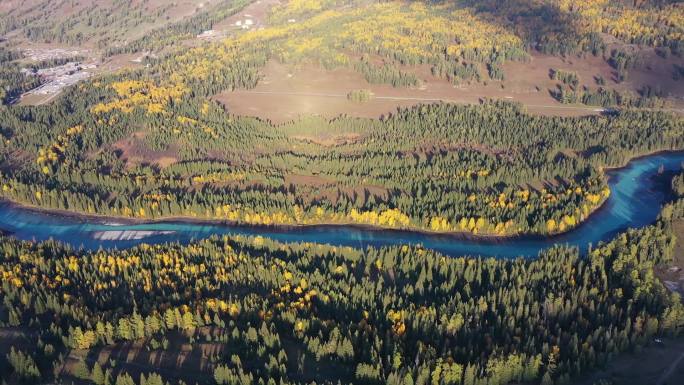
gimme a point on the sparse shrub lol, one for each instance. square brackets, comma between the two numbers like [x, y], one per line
[360, 96]
[569, 78]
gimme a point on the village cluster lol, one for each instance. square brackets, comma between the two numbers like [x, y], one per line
[54, 79]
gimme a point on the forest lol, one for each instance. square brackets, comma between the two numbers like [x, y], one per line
[152, 143]
[12, 81]
[565, 27]
[437, 167]
[266, 312]
[167, 36]
[115, 26]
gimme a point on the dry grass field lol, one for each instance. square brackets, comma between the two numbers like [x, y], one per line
[286, 92]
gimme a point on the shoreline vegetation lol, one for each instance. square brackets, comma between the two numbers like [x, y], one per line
[291, 293]
[457, 235]
[390, 301]
[437, 168]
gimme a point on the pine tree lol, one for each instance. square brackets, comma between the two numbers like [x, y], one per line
[124, 379]
[97, 376]
[188, 322]
[469, 376]
[81, 370]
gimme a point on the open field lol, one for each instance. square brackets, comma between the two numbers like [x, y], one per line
[36, 99]
[132, 150]
[286, 92]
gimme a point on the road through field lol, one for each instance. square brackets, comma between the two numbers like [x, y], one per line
[590, 109]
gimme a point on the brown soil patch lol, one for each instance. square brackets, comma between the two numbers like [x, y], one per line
[522, 78]
[310, 180]
[8, 5]
[165, 161]
[329, 140]
[329, 189]
[134, 152]
[36, 100]
[377, 191]
[16, 160]
[119, 62]
[285, 93]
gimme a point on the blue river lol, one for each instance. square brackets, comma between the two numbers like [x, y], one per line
[635, 201]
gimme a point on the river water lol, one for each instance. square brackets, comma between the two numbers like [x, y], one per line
[635, 201]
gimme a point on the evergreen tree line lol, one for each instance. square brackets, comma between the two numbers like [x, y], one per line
[435, 167]
[299, 313]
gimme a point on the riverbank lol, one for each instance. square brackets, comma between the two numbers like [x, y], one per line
[635, 201]
[120, 221]
[117, 221]
[455, 235]
[635, 158]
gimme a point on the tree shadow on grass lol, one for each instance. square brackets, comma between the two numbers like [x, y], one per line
[180, 361]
